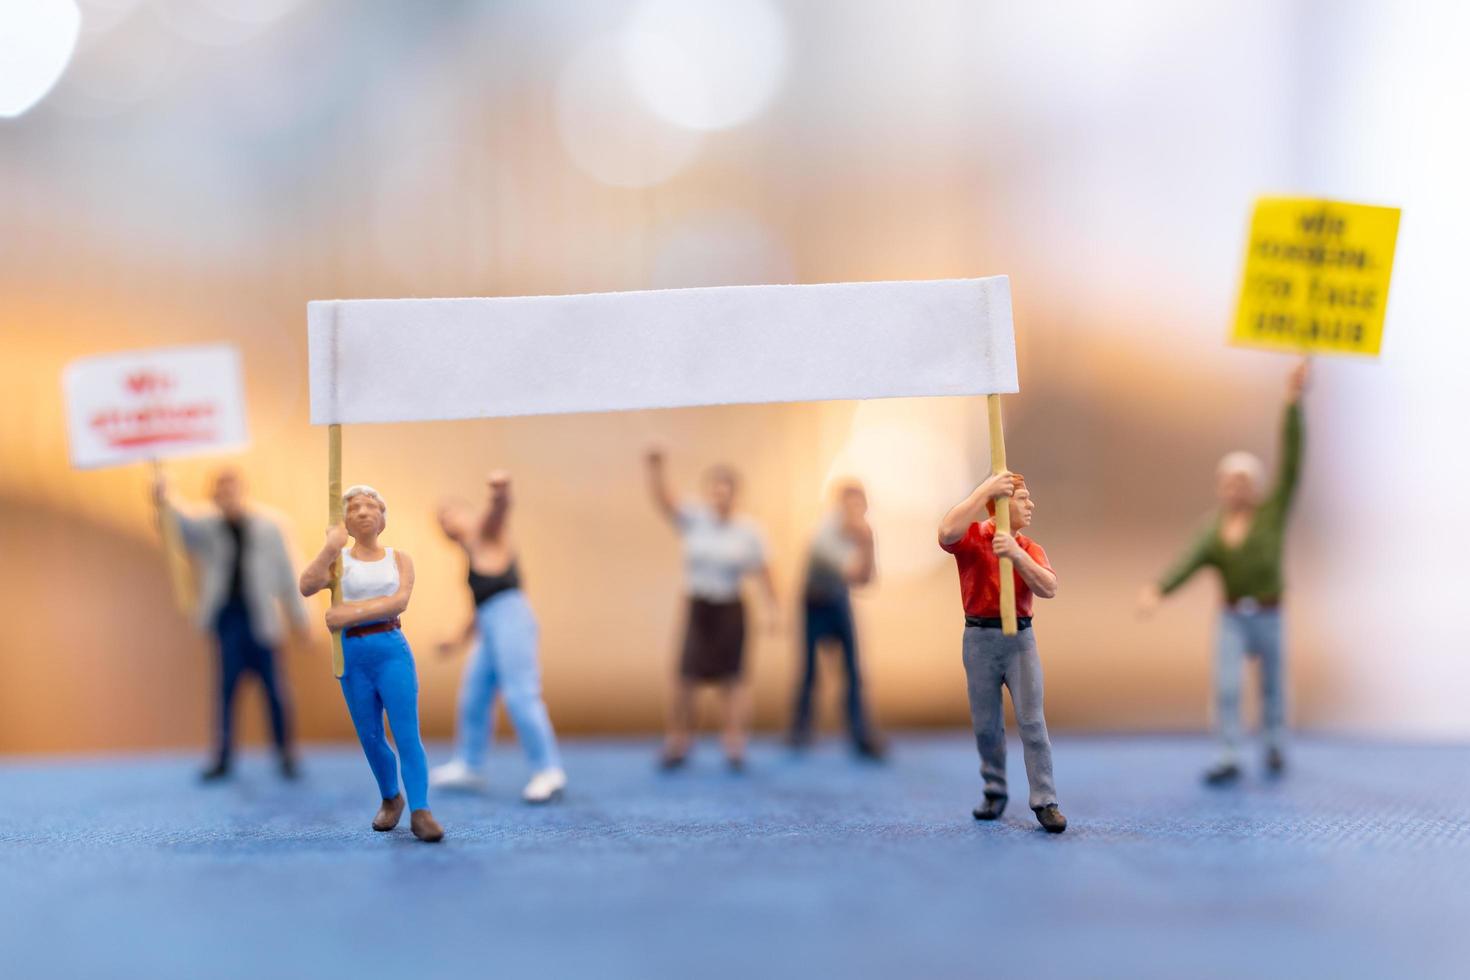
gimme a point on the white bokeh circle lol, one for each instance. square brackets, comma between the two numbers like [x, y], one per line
[706, 64]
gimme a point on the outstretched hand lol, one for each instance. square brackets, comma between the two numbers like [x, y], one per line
[1149, 600]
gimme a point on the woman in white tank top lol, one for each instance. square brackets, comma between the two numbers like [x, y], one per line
[379, 671]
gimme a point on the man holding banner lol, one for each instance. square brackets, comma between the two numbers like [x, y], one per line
[246, 582]
[995, 656]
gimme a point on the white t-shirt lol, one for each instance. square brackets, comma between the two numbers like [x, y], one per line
[368, 579]
[718, 553]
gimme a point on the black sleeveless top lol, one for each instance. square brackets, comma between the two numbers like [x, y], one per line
[487, 586]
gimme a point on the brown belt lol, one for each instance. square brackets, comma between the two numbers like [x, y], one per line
[387, 626]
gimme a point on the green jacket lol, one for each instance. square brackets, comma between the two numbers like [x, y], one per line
[1252, 569]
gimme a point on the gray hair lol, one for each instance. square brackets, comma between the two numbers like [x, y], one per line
[1248, 464]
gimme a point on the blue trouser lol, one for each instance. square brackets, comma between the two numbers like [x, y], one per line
[831, 620]
[241, 653]
[1244, 634]
[379, 675]
[505, 661]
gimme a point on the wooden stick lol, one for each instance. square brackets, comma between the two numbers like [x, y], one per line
[173, 552]
[1002, 519]
[334, 517]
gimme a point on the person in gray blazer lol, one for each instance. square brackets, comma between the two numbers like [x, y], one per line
[247, 591]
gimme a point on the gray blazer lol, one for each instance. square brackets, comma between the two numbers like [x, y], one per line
[269, 579]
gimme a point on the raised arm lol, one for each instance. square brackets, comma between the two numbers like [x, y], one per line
[658, 485]
[493, 523]
[317, 575]
[972, 509]
[1289, 468]
[193, 530]
[348, 614]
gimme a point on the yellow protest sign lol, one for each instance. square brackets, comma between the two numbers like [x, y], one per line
[1316, 276]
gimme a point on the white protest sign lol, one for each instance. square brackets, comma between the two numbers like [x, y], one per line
[140, 405]
[409, 360]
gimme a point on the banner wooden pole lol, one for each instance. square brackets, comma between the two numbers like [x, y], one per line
[1002, 519]
[334, 517]
[173, 551]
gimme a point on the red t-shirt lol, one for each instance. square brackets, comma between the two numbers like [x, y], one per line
[980, 571]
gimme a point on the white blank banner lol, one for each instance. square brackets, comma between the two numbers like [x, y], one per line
[403, 360]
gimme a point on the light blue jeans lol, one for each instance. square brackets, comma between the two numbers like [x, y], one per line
[1242, 635]
[504, 661]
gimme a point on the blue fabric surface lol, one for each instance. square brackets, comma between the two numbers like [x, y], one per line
[1356, 865]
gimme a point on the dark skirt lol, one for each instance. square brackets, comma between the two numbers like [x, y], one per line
[714, 641]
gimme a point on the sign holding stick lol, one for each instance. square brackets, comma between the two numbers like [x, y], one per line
[485, 358]
[141, 406]
[1316, 276]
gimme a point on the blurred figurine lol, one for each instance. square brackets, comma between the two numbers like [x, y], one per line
[720, 549]
[840, 557]
[379, 673]
[246, 579]
[1243, 541]
[991, 657]
[504, 660]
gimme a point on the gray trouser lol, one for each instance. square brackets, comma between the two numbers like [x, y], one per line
[993, 659]
[1243, 634]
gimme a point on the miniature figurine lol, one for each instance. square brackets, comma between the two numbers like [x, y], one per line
[504, 659]
[246, 579]
[991, 657]
[1243, 540]
[379, 673]
[841, 556]
[720, 549]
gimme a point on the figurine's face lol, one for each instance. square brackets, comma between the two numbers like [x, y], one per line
[1021, 507]
[1237, 489]
[719, 490]
[364, 517]
[853, 502]
[229, 493]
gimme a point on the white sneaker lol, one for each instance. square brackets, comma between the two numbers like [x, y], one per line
[545, 786]
[455, 774]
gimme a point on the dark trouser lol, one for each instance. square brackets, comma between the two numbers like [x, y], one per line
[830, 620]
[992, 660]
[240, 653]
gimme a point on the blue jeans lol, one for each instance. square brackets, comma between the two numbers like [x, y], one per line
[830, 620]
[504, 661]
[379, 676]
[1241, 635]
[241, 653]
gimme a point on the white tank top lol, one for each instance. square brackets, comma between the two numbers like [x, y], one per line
[368, 579]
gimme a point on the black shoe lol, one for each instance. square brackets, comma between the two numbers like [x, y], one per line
[669, 761]
[736, 764]
[1275, 762]
[1222, 774]
[216, 772]
[289, 769]
[1051, 818]
[991, 808]
[871, 749]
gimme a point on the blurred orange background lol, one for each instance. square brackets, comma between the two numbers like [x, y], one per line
[195, 177]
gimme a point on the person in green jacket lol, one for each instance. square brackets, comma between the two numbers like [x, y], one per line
[1243, 541]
